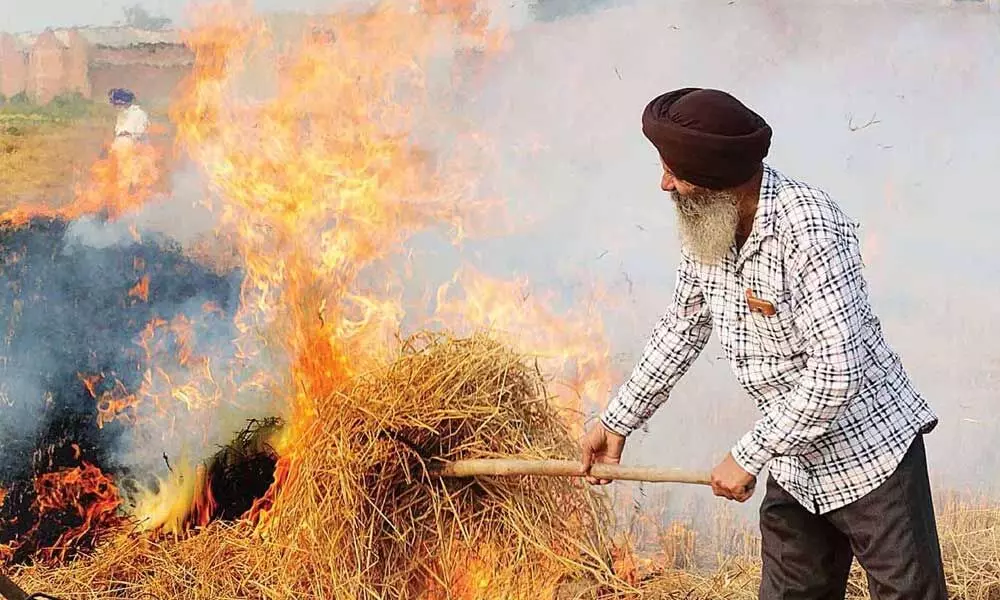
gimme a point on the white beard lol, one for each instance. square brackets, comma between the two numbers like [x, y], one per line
[707, 221]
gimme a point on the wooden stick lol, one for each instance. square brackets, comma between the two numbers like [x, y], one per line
[10, 590]
[509, 467]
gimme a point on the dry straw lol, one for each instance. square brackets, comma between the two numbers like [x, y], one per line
[359, 517]
[970, 540]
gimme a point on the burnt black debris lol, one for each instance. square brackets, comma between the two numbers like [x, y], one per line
[243, 471]
[66, 311]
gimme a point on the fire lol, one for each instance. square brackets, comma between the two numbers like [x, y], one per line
[86, 492]
[114, 403]
[185, 501]
[473, 576]
[141, 289]
[571, 346]
[81, 503]
[472, 581]
[317, 184]
[317, 180]
[126, 178]
[178, 376]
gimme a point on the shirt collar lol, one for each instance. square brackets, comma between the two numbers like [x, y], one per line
[763, 220]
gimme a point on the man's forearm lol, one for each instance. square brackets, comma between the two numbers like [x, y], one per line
[674, 345]
[792, 433]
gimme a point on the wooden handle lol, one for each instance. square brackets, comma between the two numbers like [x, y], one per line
[509, 467]
[10, 590]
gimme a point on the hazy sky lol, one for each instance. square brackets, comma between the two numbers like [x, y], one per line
[18, 15]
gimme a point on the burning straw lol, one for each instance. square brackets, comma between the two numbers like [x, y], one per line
[359, 517]
[315, 174]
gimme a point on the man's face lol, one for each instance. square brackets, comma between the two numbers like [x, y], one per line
[707, 219]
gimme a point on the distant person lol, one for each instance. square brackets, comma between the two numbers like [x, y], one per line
[133, 122]
[131, 165]
[773, 266]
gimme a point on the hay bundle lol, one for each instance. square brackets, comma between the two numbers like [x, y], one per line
[358, 516]
[362, 486]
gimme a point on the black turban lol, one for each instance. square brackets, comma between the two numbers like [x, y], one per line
[707, 137]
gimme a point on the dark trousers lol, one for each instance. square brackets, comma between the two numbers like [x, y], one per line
[891, 530]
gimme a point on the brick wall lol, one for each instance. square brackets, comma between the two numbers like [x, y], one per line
[13, 66]
[55, 63]
[76, 63]
[46, 68]
[157, 55]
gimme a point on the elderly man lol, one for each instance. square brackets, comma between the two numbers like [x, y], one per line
[773, 266]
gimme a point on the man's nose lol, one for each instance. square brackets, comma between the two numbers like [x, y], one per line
[667, 183]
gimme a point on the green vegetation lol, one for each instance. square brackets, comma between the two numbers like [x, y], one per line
[65, 108]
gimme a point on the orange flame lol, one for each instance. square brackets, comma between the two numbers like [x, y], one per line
[316, 182]
[473, 576]
[571, 347]
[141, 289]
[85, 490]
[118, 183]
[116, 403]
[83, 500]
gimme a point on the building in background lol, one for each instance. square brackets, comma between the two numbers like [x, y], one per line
[92, 60]
[13, 66]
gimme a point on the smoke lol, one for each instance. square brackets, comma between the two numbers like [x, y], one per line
[119, 347]
[84, 307]
[888, 106]
[550, 10]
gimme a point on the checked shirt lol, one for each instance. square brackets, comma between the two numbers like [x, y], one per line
[838, 409]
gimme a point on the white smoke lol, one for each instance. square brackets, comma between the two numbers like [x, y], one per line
[191, 409]
[891, 107]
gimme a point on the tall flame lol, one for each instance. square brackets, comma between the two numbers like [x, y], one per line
[320, 166]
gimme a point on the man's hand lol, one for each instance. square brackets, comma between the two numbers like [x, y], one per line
[600, 446]
[729, 480]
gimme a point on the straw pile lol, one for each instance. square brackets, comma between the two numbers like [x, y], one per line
[359, 517]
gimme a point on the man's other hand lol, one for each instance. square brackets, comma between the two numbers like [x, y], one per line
[729, 480]
[600, 446]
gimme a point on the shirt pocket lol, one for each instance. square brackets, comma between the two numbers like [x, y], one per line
[774, 334]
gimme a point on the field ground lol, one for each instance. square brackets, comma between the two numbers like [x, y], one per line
[689, 566]
[46, 151]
